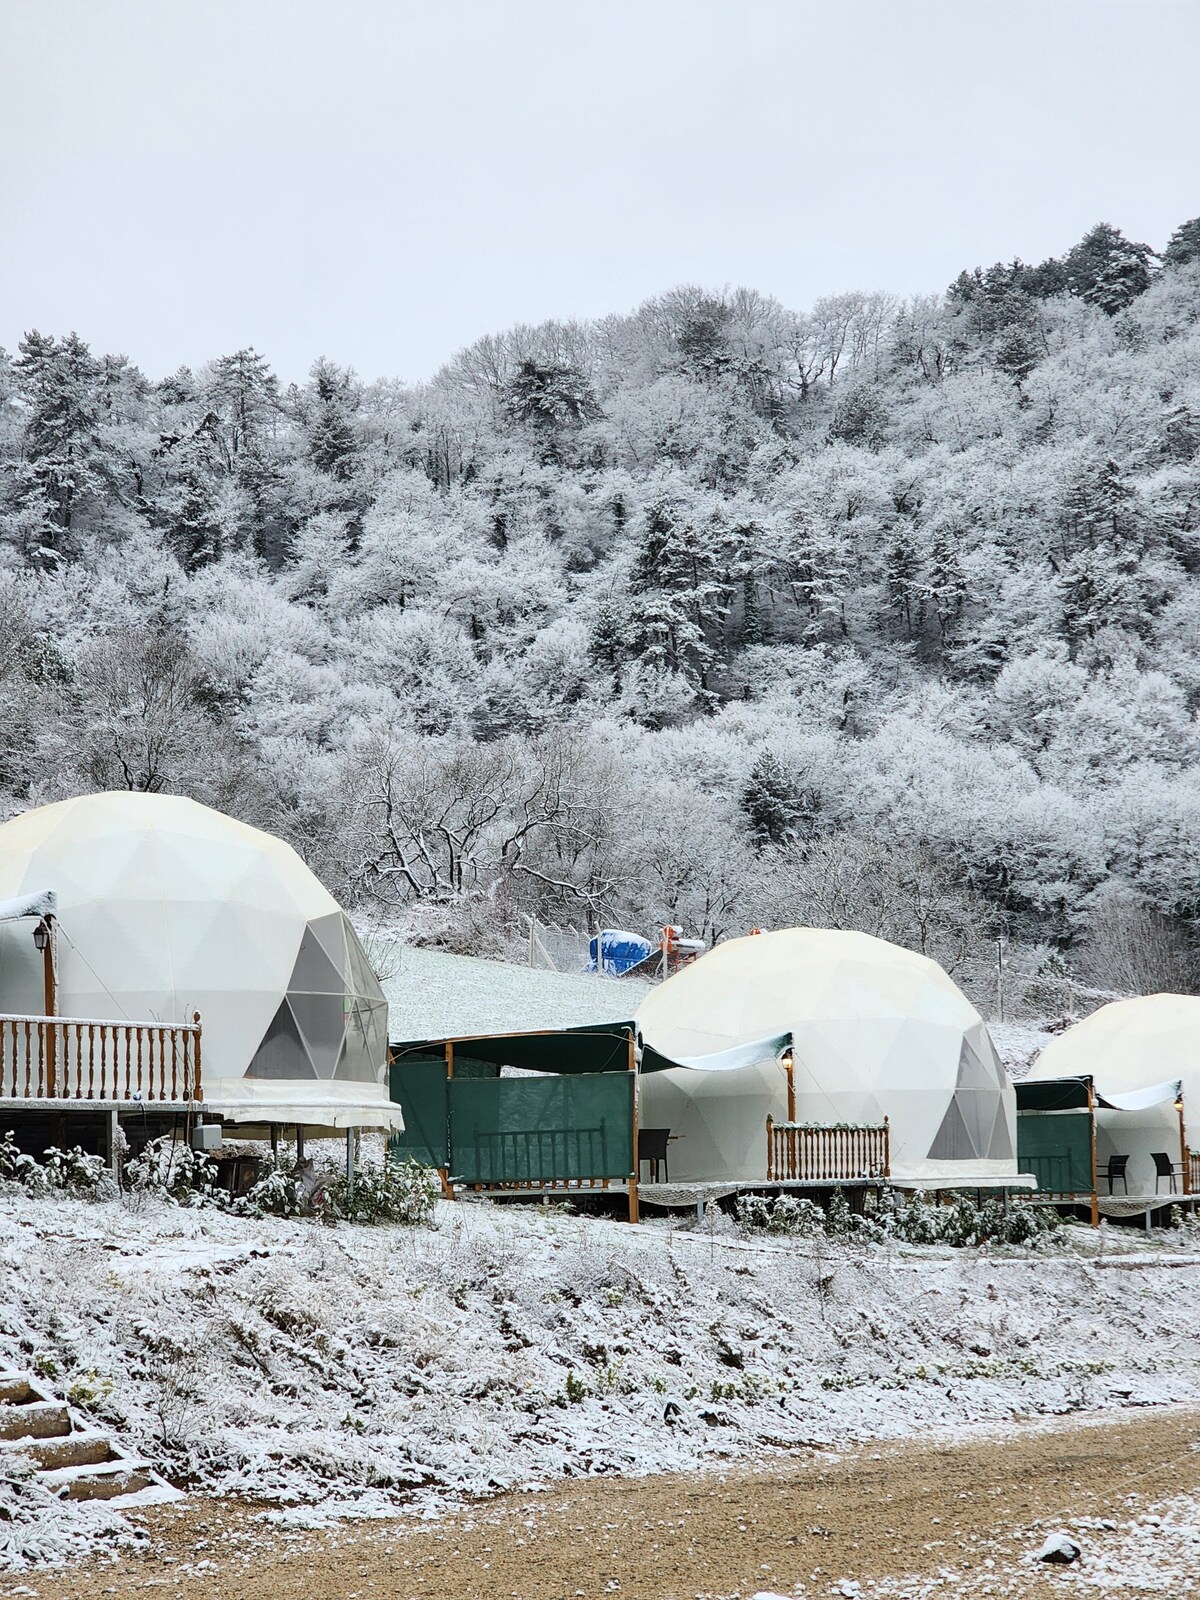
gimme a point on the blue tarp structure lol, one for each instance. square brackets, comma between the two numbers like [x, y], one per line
[615, 952]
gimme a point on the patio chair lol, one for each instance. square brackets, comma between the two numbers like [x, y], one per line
[652, 1147]
[1164, 1167]
[1116, 1169]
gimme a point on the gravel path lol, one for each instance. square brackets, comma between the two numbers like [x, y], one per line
[912, 1519]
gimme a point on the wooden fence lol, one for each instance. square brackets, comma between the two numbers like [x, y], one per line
[80, 1058]
[1192, 1186]
[826, 1155]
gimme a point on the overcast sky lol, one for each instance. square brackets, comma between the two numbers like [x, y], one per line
[382, 181]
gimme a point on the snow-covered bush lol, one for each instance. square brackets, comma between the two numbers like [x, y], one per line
[167, 1167]
[76, 1172]
[961, 1225]
[18, 1167]
[68, 1171]
[36, 1526]
[277, 1192]
[787, 1214]
[403, 1192]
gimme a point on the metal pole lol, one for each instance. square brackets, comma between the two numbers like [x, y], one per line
[999, 980]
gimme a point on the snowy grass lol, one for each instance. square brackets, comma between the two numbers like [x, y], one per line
[433, 994]
[305, 1366]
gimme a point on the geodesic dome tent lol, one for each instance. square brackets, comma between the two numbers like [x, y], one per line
[166, 908]
[1143, 1057]
[877, 1031]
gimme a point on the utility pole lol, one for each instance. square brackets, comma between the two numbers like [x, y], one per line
[999, 980]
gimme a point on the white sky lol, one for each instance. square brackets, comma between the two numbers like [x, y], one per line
[382, 181]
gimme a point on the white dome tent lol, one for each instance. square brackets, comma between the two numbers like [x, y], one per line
[166, 908]
[877, 1031]
[1143, 1057]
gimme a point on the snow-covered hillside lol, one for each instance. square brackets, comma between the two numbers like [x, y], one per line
[305, 1365]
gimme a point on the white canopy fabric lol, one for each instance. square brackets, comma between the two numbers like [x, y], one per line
[742, 1055]
[44, 903]
[1142, 1099]
[166, 908]
[877, 1031]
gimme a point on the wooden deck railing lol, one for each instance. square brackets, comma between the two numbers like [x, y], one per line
[82, 1058]
[826, 1155]
[1192, 1186]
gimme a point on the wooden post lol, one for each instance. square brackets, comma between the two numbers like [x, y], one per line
[789, 1066]
[299, 1143]
[50, 990]
[1185, 1169]
[197, 1086]
[1095, 1174]
[770, 1150]
[634, 1211]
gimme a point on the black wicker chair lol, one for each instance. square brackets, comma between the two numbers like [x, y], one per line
[1116, 1169]
[1164, 1167]
[652, 1147]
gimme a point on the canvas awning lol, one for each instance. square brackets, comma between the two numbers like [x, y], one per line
[739, 1055]
[1071, 1094]
[598, 1048]
[42, 904]
[602, 1048]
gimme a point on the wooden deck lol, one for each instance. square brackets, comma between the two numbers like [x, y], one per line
[87, 1062]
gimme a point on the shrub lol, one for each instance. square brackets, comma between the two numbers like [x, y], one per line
[176, 1171]
[276, 1193]
[961, 1225]
[790, 1215]
[403, 1192]
[68, 1171]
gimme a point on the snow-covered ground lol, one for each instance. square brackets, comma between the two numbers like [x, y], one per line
[367, 1367]
[433, 995]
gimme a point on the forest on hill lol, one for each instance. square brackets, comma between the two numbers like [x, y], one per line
[882, 614]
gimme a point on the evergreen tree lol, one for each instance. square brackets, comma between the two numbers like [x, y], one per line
[771, 802]
[1107, 269]
[1184, 244]
[332, 440]
[64, 462]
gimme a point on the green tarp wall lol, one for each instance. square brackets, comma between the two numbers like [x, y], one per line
[1056, 1146]
[519, 1130]
[576, 1121]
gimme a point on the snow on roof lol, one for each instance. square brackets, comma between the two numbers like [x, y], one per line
[435, 995]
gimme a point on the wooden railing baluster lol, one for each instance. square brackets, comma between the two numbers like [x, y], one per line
[44, 1058]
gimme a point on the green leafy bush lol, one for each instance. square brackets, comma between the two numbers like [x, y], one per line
[66, 1171]
[961, 1225]
[172, 1169]
[786, 1214]
[403, 1192]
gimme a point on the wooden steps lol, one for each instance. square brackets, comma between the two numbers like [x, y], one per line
[74, 1460]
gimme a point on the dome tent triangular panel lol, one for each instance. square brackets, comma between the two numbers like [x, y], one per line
[877, 1031]
[166, 907]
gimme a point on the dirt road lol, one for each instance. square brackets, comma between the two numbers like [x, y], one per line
[918, 1508]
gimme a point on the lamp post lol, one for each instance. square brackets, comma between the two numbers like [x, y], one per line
[788, 1062]
[44, 940]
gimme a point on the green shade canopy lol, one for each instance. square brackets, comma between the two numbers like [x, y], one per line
[603, 1048]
